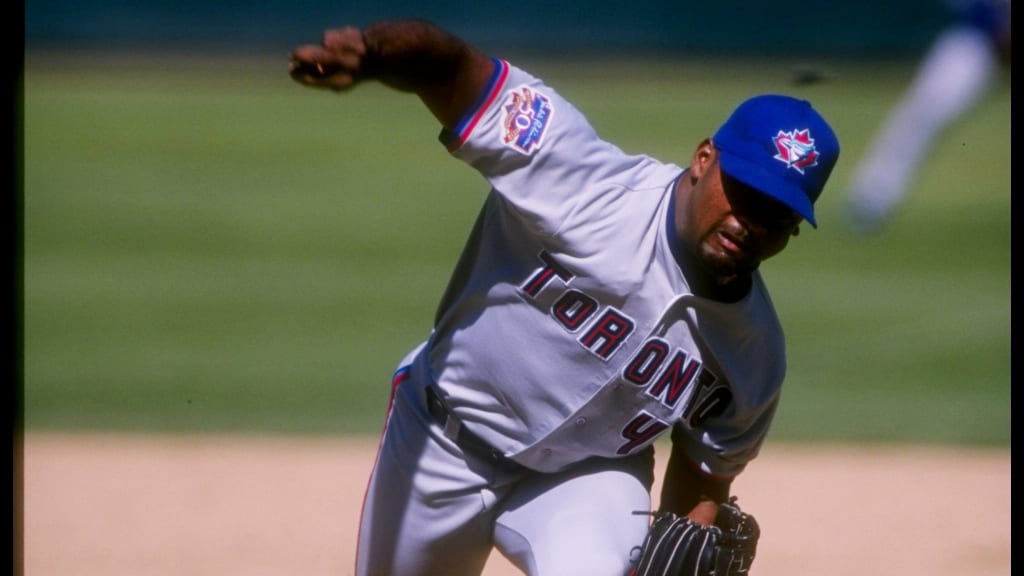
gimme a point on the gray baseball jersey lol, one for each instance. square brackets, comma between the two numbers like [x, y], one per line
[569, 329]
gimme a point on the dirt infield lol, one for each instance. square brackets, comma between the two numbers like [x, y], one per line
[104, 505]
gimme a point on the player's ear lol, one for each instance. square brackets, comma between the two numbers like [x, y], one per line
[703, 157]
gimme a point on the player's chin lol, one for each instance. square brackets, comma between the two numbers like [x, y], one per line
[725, 265]
[727, 259]
[717, 265]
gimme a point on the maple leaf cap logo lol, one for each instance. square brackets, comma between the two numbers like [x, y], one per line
[796, 149]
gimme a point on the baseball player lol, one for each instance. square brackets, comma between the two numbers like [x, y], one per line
[602, 299]
[960, 67]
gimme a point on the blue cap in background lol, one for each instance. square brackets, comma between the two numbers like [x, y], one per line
[780, 146]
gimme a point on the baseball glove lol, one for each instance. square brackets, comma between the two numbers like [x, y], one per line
[675, 545]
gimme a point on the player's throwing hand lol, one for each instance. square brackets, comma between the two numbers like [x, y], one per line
[337, 63]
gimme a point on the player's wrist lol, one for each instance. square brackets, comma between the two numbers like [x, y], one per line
[369, 64]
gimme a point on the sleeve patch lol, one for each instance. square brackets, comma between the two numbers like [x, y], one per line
[526, 114]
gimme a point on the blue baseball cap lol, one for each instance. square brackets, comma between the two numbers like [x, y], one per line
[780, 146]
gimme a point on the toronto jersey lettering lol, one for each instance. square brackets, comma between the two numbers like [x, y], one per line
[568, 329]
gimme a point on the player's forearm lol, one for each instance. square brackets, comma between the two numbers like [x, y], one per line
[416, 56]
[685, 490]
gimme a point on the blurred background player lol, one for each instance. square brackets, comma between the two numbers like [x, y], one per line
[958, 69]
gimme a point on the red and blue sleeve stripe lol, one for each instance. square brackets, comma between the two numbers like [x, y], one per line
[455, 138]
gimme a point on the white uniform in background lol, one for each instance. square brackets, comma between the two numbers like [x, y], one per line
[957, 71]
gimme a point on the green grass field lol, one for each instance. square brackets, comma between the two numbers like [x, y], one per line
[209, 247]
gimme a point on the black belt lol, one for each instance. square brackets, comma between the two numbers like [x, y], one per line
[463, 438]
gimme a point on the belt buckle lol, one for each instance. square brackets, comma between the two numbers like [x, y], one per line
[439, 411]
[452, 427]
